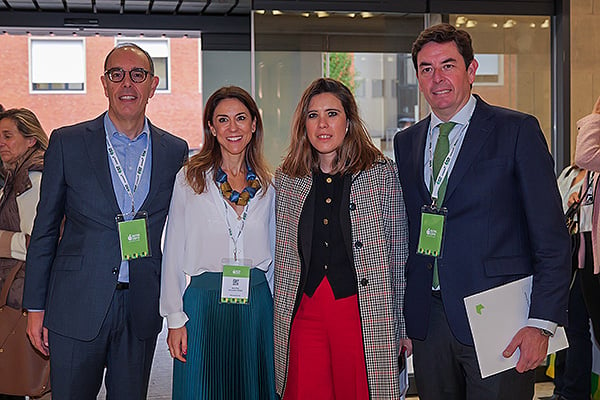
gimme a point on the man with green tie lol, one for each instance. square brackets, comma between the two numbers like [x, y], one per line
[484, 210]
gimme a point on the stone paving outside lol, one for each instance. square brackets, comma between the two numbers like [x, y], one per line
[160, 377]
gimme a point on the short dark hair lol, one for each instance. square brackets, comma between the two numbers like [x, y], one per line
[130, 45]
[443, 33]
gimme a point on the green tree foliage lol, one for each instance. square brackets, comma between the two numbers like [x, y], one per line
[341, 67]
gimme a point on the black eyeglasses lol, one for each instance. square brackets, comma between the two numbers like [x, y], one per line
[137, 75]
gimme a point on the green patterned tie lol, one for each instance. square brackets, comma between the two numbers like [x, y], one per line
[439, 155]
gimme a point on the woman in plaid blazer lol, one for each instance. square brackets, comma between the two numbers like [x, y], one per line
[340, 254]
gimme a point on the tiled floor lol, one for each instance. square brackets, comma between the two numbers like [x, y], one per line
[160, 377]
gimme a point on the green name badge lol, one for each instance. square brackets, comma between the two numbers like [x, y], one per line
[236, 284]
[432, 232]
[133, 236]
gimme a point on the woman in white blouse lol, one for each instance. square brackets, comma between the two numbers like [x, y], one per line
[220, 238]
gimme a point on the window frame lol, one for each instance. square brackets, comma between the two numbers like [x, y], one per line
[499, 81]
[32, 66]
[139, 41]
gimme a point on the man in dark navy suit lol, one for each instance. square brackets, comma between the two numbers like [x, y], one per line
[92, 292]
[490, 168]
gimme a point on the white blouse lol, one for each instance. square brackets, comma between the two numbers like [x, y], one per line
[27, 207]
[197, 239]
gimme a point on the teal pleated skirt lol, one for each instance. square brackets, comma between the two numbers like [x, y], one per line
[230, 346]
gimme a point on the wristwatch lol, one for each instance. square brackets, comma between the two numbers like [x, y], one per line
[545, 332]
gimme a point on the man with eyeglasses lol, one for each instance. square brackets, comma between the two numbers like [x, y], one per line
[93, 265]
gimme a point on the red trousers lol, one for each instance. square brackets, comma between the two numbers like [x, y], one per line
[327, 359]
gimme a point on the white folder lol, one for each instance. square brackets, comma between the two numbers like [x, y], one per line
[495, 316]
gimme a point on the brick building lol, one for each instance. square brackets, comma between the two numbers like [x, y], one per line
[177, 109]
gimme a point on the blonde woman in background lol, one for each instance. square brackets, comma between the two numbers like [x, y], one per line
[22, 146]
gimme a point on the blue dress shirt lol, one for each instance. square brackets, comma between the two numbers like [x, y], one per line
[128, 152]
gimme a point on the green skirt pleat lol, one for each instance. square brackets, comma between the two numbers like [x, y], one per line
[230, 346]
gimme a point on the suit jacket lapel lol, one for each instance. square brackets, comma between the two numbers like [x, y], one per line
[307, 217]
[158, 158]
[419, 156]
[95, 141]
[345, 223]
[477, 134]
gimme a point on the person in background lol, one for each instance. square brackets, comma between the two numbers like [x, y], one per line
[22, 146]
[482, 178]
[92, 288]
[587, 155]
[340, 256]
[221, 236]
[573, 366]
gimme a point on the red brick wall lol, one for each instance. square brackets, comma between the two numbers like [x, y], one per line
[179, 111]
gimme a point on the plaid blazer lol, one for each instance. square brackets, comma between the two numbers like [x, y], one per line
[379, 222]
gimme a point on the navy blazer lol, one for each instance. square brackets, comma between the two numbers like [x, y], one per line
[73, 279]
[504, 220]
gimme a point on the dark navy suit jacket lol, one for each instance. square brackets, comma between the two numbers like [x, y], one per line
[73, 279]
[504, 219]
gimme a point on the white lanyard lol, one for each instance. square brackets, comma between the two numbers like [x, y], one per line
[230, 230]
[447, 161]
[138, 173]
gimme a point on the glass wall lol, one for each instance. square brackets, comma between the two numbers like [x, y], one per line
[514, 54]
[369, 52]
[387, 95]
[371, 55]
[280, 79]
[366, 52]
[225, 68]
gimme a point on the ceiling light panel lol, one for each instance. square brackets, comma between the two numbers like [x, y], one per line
[136, 6]
[192, 7]
[80, 5]
[164, 6]
[108, 5]
[51, 5]
[219, 6]
[22, 4]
